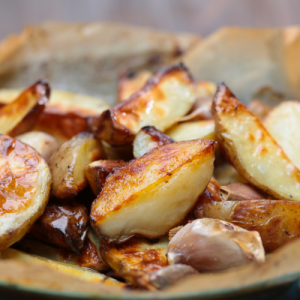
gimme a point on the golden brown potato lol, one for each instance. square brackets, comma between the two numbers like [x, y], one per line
[277, 221]
[66, 115]
[226, 174]
[42, 142]
[149, 138]
[253, 152]
[153, 193]
[68, 162]
[193, 130]
[259, 108]
[283, 123]
[63, 225]
[130, 83]
[168, 95]
[70, 269]
[137, 259]
[241, 191]
[25, 182]
[89, 257]
[97, 172]
[22, 114]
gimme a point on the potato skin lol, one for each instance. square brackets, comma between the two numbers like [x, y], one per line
[62, 225]
[277, 221]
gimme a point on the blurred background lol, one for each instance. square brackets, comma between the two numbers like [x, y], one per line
[198, 16]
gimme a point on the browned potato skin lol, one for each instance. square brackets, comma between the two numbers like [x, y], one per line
[110, 127]
[62, 225]
[62, 165]
[40, 92]
[157, 136]
[277, 221]
[97, 172]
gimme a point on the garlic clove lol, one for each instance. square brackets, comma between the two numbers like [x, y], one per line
[212, 245]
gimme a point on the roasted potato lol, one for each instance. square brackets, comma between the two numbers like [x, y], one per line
[249, 147]
[131, 82]
[97, 172]
[283, 123]
[241, 191]
[137, 259]
[63, 225]
[162, 185]
[70, 269]
[42, 142]
[22, 114]
[168, 95]
[193, 130]
[89, 257]
[66, 115]
[149, 138]
[277, 221]
[25, 181]
[226, 174]
[68, 162]
[259, 108]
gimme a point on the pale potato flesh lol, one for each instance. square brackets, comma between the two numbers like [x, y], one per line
[70, 269]
[42, 142]
[167, 96]
[68, 162]
[193, 130]
[283, 123]
[250, 148]
[149, 138]
[153, 193]
[25, 182]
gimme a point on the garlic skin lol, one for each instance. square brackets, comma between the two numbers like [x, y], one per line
[213, 245]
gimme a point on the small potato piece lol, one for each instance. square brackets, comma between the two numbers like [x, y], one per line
[73, 270]
[68, 162]
[193, 130]
[42, 142]
[283, 123]
[22, 114]
[25, 181]
[277, 221]
[63, 225]
[259, 109]
[131, 82]
[249, 147]
[153, 193]
[97, 172]
[149, 138]
[226, 174]
[136, 259]
[167, 96]
[241, 191]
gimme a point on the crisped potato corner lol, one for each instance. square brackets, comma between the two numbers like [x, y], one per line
[68, 162]
[153, 193]
[168, 95]
[25, 182]
[249, 147]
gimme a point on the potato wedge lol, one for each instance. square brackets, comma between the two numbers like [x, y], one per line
[89, 257]
[168, 95]
[259, 108]
[42, 142]
[66, 115]
[130, 83]
[277, 221]
[22, 114]
[25, 181]
[97, 172]
[226, 174]
[73, 270]
[137, 259]
[157, 191]
[193, 130]
[68, 162]
[149, 138]
[63, 225]
[283, 124]
[249, 147]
